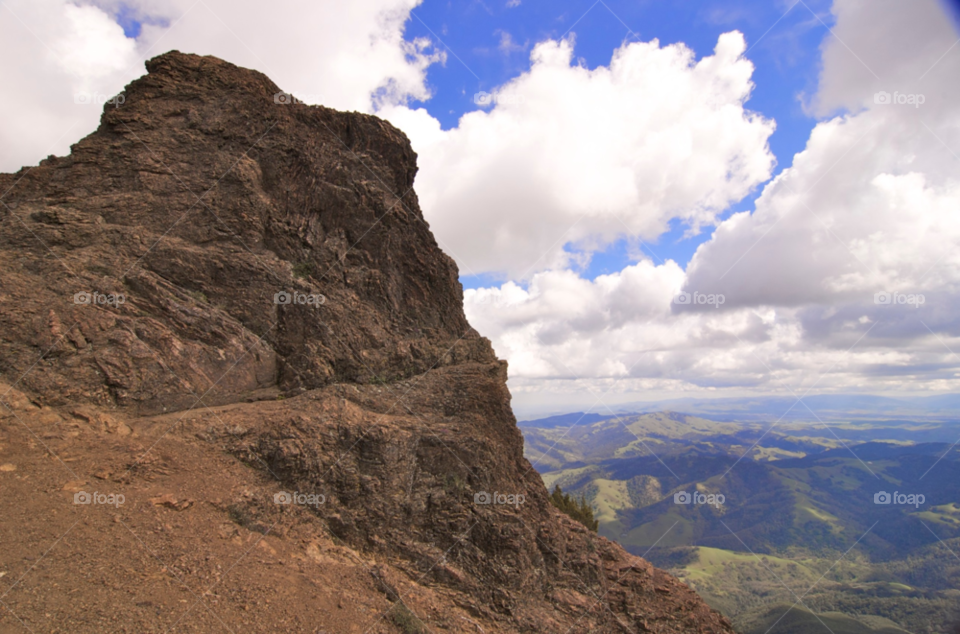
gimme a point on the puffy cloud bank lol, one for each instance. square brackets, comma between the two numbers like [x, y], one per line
[844, 278]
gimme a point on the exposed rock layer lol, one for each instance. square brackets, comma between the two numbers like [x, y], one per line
[197, 201]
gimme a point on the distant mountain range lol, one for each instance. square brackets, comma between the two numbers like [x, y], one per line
[823, 406]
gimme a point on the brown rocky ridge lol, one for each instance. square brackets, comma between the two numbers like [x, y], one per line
[240, 393]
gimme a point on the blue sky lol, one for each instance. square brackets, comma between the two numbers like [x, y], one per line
[784, 43]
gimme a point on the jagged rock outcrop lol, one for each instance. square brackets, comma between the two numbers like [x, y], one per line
[147, 334]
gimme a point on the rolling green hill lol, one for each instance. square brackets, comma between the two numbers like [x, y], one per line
[787, 619]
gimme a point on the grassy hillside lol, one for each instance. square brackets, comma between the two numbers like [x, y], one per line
[788, 619]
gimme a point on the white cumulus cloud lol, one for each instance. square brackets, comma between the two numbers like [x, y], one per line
[56, 52]
[574, 155]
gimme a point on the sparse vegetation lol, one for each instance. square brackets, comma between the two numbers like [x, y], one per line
[239, 515]
[198, 296]
[406, 620]
[577, 508]
[454, 484]
[302, 269]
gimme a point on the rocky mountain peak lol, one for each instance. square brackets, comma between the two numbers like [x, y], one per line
[200, 199]
[226, 308]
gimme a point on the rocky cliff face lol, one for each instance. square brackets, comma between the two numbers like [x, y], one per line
[231, 313]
